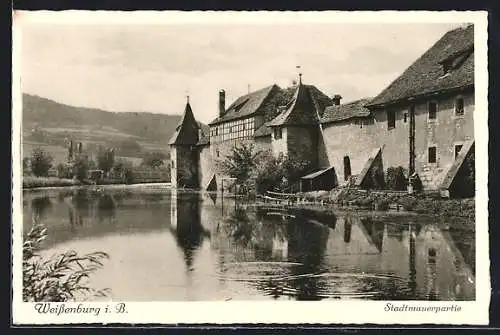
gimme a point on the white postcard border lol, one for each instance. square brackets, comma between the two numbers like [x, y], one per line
[225, 312]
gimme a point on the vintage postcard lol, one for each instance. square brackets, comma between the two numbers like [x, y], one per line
[250, 167]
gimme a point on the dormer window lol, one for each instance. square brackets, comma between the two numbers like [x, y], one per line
[454, 61]
[447, 66]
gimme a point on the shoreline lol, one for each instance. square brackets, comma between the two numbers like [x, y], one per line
[444, 214]
[105, 186]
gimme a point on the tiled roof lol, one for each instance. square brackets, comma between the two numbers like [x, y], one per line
[307, 103]
[204, 133]
[246, 105]
[263, 131]
[426, 75]
[346, 111]
[186, 132]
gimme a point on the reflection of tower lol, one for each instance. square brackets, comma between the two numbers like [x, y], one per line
[412, 278]
[432, 291]
[186, 225]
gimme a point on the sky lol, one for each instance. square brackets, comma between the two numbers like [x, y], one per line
[153, 68]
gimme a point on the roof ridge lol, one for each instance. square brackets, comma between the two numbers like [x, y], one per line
[254, 100]
[421, 77]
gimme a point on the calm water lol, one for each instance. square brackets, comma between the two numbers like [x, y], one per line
[185, 246]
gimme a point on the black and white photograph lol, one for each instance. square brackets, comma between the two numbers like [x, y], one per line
[226, 158]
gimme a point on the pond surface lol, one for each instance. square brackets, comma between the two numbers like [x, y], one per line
[177, 246]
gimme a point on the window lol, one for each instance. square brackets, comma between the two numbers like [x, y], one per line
[458, 148]
[277, 133]
[447, 66]
[432, 109]
[359, 122]
[391, 120]
[459, 106]
[432, 155]
[405, 117]
[239, 129]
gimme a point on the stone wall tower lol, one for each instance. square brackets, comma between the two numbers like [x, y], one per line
[184, 152]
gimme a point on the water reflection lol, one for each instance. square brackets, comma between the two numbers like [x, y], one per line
[85, 205]
[199, 247]
[185, 225]
[40, 206]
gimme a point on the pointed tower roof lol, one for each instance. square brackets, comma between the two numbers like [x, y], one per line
[186, 132]
[301, 110]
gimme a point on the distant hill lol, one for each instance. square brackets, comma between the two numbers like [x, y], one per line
[45, 113]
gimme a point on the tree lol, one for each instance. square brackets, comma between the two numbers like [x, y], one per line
[64, 170]
[26, 163]
[81, 167]
[105, 159]
[154, 159]
[240, 164]
[119, 167]
[279, 173]
[40, 162]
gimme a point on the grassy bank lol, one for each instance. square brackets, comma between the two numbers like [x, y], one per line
[34, 182]
[30, 182]
[458, 211]
[422, 204]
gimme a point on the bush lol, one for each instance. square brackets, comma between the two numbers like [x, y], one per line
[40, 162]
[396, 179]
[128, 175]
[366, 201]
[64, 171]
[382, 204]
[59, 278]
[154, 159]
[105, 159]
[408, 203]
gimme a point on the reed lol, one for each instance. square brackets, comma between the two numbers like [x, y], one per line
[58, 278]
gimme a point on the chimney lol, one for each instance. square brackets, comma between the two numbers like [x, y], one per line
[336, 99]
[222, 102]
